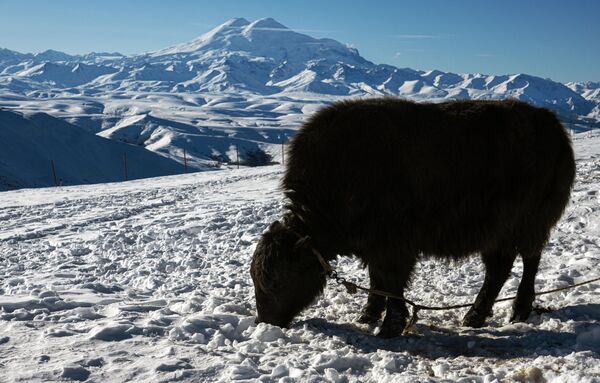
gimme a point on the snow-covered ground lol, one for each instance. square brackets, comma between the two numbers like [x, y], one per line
[149, 281]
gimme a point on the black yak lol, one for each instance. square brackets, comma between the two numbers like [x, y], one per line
[390, 180]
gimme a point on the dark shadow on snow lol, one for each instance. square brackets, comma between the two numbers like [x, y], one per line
[435, 342]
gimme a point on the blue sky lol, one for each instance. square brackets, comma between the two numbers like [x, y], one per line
[547, 38]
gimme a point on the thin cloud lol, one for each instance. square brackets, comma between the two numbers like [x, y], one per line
[420, 36]
[417, 37]
[408, 50]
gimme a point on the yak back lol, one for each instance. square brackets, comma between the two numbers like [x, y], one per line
[447, 179]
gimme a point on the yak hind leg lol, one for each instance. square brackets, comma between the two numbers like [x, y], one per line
[394, 279]
[498, 264]
[523, 304]
[395, 319]
[372, 311]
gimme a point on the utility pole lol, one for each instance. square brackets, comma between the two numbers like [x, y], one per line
[184, 160]
[125, 165]
[54, 173]
[282, 150]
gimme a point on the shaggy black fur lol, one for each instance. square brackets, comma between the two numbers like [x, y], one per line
[389, 180]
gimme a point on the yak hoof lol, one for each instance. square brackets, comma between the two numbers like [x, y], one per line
[542, 310]
[369, 317]
[392, 327]
[520, 314]
[390, 332]
[473, 319]
[517, 317]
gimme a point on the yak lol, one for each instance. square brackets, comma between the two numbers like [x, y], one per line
[390, 181]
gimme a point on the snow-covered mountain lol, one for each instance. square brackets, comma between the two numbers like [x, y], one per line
[590, 91]
[265, 57]
[28, 144]
[244, 84]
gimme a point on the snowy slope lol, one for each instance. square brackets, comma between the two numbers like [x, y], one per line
[206, 126]
[148, 281]
[29, 143]
[590, 91]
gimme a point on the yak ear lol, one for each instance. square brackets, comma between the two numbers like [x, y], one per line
[275, 225]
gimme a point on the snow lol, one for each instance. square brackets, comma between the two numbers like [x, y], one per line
[148, 280]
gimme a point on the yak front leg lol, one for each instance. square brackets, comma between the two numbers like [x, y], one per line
[372, 311]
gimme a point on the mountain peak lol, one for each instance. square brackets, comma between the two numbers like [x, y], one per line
[266, 23]
[235, 22]
[230, 26]
[238, 34]
[52, 55]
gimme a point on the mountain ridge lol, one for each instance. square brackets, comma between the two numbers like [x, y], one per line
[266, 57]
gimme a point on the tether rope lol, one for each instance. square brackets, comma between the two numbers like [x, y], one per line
[352, 288]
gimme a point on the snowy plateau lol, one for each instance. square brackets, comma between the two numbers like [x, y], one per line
[243, 84]
[148, 280]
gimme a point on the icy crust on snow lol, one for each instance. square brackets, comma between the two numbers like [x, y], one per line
[149, 281]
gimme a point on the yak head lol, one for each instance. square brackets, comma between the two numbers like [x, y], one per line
[286, 273]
